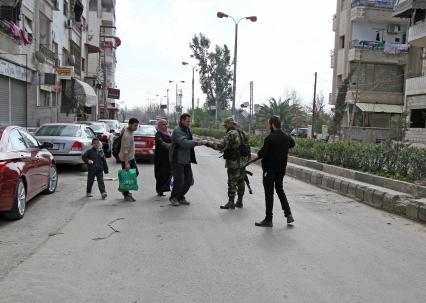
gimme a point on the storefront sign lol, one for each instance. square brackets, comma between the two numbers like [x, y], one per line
[113, 93]
[14, 71]
[65, 72]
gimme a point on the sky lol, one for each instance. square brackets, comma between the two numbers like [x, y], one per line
[280, 52]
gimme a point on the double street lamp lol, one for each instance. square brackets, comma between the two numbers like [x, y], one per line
[177, 82]
[252, 19]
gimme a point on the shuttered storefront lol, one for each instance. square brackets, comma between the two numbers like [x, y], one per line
[19, 103]
[12, 111]
[4, 100]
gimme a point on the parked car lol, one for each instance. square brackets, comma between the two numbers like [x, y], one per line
[112, 124]
[69, 141]
[104, 134]
[27, 169]
[299, 132]
[145, 142]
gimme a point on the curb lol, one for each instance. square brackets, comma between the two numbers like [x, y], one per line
[401, 204]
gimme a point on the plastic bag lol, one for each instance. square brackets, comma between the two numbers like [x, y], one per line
[127, 180]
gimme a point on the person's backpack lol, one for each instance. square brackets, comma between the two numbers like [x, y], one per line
[245, 149]
[116, 146]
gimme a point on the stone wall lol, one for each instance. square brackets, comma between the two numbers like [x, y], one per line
[416, 135]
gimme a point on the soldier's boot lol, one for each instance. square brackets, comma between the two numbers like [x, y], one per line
[230, 204]
[239, 203]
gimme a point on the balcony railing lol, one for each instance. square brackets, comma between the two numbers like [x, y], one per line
[48, 53]
[374, 3]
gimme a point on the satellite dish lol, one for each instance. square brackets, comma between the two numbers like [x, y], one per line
[71, 60]
[40, 57]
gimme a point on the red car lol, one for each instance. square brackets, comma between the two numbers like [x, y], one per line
[26, 169]
[145, 142]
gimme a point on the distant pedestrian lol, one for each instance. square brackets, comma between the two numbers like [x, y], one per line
[181, 155]
[162, 168]
[127, 152]
[274, 155]
[97, 166]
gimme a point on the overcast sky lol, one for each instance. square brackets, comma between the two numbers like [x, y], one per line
[282, 50]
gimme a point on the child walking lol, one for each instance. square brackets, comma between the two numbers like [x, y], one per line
[97, 165]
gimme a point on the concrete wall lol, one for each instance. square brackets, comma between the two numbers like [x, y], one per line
[416, 135]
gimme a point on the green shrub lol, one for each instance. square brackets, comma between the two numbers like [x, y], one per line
[396, 160]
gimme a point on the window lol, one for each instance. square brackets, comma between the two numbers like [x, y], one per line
[44, 98]
[55, 48]
[66, 8]
[65, 56]
[45, 30]
[342, 42]
[418, 118]
[59, 131]
[89, 133]
[16, 141]
[29, 139]
[83, 64]
[54, 99]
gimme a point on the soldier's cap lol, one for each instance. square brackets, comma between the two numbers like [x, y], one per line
[229, 120]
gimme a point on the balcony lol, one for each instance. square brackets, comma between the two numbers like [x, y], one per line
[417, 35]
[377, 52]
[375, 97]
[415, 86]
[405, 8]
[332, 58]
[50, 55]
[374, 3]
[334, 22]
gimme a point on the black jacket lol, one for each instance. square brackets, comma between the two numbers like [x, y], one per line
[98, 158]
[274, 153]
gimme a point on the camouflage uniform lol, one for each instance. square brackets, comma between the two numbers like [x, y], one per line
[236, 185]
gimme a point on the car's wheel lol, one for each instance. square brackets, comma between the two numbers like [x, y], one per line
[53, 180]
[19, 202]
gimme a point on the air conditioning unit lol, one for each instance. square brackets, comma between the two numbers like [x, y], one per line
[394, 29]
[57, 5]
[68, 24]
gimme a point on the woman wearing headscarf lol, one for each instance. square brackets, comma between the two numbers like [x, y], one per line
[161, 159]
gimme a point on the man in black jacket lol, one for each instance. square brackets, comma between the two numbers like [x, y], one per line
[97, 166]
[274, 155]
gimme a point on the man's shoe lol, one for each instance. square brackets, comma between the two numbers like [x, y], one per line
[184, 202]
[239, 203]
[174, 202]
[89, 195]
[161, 195]
[104, 196]
[290, 219]
[264, 223]
[229, 205]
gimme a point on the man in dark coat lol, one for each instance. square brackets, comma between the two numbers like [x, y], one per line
[274, 155]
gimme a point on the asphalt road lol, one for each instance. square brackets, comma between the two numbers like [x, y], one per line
[72, 249]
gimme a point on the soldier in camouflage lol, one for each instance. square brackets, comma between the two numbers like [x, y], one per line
[230, 147]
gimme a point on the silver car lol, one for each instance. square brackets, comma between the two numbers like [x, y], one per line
[70, 141]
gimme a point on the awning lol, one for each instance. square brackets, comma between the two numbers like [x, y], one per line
[380, 108]
[405, 8]
[83, 93]
[92, 49]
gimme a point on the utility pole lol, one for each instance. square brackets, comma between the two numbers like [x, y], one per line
[251, 107]
[314, 104]
[168, 104]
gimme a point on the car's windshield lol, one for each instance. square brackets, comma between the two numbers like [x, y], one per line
[97, 128]
[59, 131]
[146, 131]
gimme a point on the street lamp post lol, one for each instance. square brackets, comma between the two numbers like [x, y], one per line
[26, 85]
[193, 100]
[177, 82]
[252, 19]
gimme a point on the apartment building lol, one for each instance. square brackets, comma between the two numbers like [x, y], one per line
[45, 53]
[415, 92]
[373, 55]
[102, 44]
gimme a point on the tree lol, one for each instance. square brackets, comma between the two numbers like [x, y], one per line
[214, 69]
[340, 108]
[321, 116]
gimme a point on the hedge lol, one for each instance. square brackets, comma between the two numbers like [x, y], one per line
[255, 140]
[391, 160]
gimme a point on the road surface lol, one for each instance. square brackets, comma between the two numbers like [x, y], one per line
[72, 249]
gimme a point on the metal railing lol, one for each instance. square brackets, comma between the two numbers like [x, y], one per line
[374, 3]
[48, 53]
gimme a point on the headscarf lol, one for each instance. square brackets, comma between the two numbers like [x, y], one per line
[162, 127]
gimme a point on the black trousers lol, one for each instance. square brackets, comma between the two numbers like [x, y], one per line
[183, 180]
[99, 175]
[275, 180]
[133, 165]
